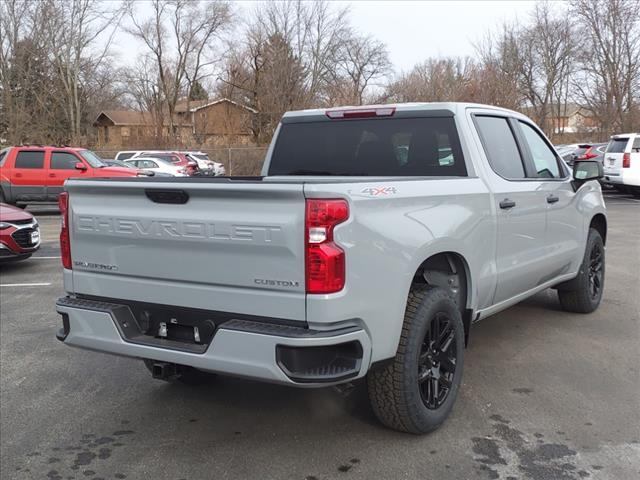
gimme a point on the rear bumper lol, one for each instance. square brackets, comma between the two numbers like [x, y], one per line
[613, 179]
[269, 352]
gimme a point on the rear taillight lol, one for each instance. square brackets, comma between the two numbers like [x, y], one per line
[588, 155]
[65, 244]
[626, 160]
[325, 262]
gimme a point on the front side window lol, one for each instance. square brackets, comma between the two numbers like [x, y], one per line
[30, 159]
[500, 146]
[369, 147]
[63, 161]
[544, 159]
[92, 159]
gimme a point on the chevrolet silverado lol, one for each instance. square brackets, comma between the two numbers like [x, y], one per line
[371, 242]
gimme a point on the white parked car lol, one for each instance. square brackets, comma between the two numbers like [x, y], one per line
[151, 164]
[126, 155]
[205, 163]
[622, 163]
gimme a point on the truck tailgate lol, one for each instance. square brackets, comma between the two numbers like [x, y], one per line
[232, 247]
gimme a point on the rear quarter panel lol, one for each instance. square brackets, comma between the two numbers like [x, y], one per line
[388, 236]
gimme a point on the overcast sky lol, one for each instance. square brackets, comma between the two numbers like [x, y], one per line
[415, 30]
[412, 30]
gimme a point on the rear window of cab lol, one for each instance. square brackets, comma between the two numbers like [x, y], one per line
[369, 147]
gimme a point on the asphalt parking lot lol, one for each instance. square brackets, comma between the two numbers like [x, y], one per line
[545, 395]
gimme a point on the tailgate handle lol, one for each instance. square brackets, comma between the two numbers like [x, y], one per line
[175, 197]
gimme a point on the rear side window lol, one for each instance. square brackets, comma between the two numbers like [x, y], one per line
[635, 148]
[544, 159]
[500, 147]
[63, 161]
[124, 156]
[371, 147]
[30, 159]
[617, 145]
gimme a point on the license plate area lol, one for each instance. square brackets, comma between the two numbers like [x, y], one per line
[199, 332]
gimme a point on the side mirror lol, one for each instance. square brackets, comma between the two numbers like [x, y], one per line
[585, 170]
[80, 166]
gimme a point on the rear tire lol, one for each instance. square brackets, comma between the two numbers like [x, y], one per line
[416, 390]
[188, 375]
[584, 293]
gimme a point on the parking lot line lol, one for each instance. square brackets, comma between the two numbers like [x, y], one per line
[43, 258]
[24, 284]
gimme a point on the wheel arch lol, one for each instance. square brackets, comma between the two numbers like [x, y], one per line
[449, 270]
[599, 223]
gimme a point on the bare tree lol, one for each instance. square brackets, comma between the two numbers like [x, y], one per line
[180, 36]
[609, 83]
[24, 72]
[498, 75]
[284, 59]
[361, 61]
[79, 34]
[436, 80]
[545, 58]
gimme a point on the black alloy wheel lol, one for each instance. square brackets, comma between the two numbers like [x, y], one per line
[595, 275]
[437, 361]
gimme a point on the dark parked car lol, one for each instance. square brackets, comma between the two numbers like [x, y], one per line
[19, 234]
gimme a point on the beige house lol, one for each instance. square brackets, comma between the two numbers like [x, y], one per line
[572, 118]
[203, 123]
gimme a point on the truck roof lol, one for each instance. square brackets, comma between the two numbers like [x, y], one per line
[47, 147]
[452, 107]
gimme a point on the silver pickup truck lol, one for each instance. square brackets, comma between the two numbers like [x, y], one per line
[372, 241]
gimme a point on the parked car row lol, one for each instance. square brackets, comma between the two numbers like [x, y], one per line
[192, 162]
[37, 173]
[620, 159]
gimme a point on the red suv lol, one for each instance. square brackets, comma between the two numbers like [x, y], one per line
[19, 234]
[36, 174]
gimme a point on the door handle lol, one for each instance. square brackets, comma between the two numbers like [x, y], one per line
[52, 175]
[552, 199]
[19, 175]
[506, 204]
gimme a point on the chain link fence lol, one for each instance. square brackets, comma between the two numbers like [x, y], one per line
[237, 161]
